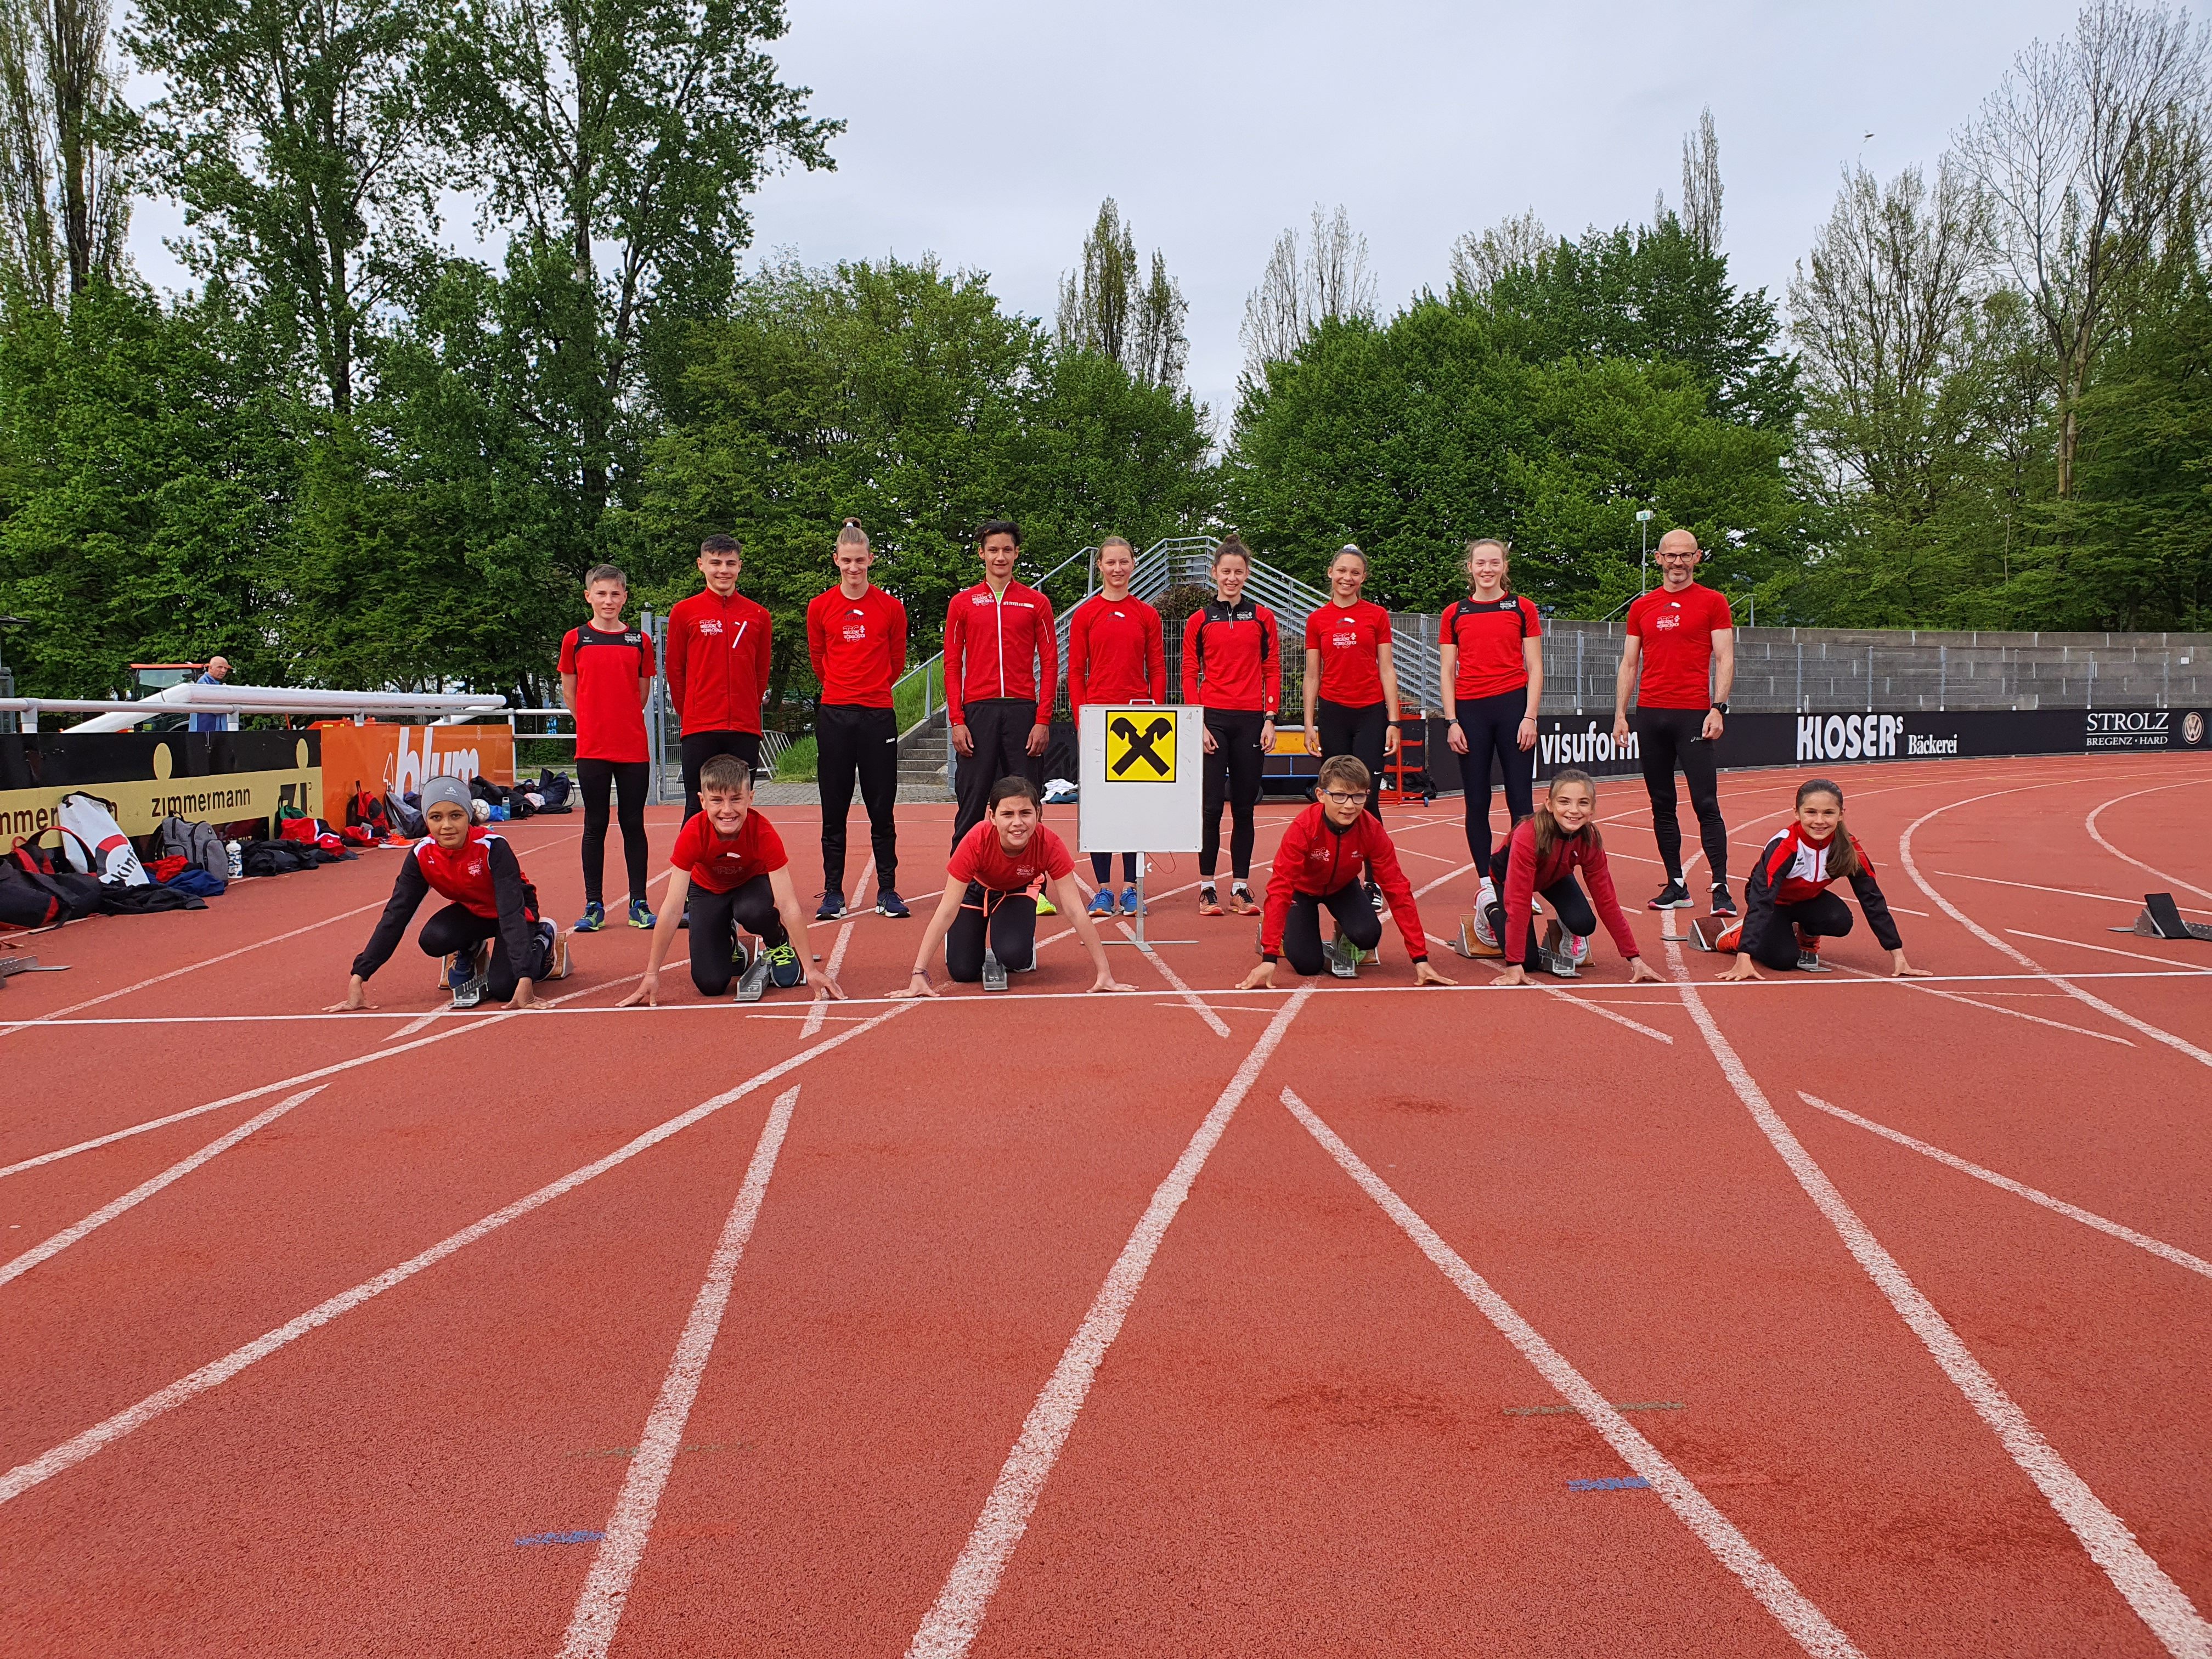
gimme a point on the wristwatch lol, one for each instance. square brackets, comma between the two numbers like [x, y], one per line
[1720, 707]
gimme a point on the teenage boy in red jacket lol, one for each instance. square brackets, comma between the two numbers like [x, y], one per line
[856, 638]
[1322, 856]
[717, 656]
[1001, 670]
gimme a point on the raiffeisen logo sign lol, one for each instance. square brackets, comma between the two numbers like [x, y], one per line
[2131, 728]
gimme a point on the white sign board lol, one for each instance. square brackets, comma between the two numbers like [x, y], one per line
[1142, 778]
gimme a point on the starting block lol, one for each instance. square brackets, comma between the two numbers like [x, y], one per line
[2162, 918]
[1704, 935]
[1468, 945]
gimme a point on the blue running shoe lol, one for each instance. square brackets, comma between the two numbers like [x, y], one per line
[640, 914]
[1131, 904]
[832, 907]
[595, 917]
[889, 904]
[1101, 902]
[783, 968]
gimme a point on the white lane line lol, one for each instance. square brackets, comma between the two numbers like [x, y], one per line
[1901, 910]
[1458, 870]
[2071, 892]
[145, 1189]
[2181, 1045]
[190, 968]
[1497, 968]
[475, 1022]
[1190, 997]
[2104, 949]
[952, 1624]
[2180, 1258]
[1806, 1625]
[1926, 989]
[102, 1435]
[614, 1568]
[2157, 1600]
[2097, 836]
[821, 1008]
[415, 1024]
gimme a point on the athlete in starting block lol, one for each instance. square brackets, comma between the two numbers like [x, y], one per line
[1788, 908]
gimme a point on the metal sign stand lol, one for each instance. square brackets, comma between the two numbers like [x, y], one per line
[1144, 909]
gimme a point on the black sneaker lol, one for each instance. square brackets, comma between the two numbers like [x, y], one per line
[1722, 905]
[1672, 896]
[1375, 897]
[832, 907]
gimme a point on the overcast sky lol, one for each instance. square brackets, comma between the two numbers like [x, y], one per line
[987, 131]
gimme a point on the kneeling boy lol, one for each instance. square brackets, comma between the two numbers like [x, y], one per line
[730, 861]
[491, 931]
[1323, 854]
[987, 918]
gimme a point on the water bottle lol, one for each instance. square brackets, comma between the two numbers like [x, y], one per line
[237, 859]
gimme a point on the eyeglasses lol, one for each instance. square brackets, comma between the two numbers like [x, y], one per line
[1342, 798]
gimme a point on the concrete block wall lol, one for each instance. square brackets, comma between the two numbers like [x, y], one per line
[1786, 669]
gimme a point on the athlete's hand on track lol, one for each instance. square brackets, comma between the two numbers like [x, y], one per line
[1528, 734]
[824, 986]
[1641, 972]
[1900, 969]
[1713, 726]
[1741, 968]
[648, 993]
[1425, 974]
[1514, 975]
[1456, 739]
[1106, 982]
[1039, 736]
[1261, 978]
[917, 985]
[526, 995]
[356, 998]
[1390, 738]
[962, 745]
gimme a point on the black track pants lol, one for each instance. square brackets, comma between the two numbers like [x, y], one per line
[1491, 727]
[999, 728]
[1360, 731]
[1232, 775]
[715, 920]
[1666, 738]
[1006, 920]
[625, 781]
[1355, 919]
[700, 747]
[456, 928]
[856, 743]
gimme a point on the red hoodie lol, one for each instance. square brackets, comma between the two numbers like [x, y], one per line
[1115, 654]
[1000, 645]
[1569, 852]
[1316, 858]
[718, 656]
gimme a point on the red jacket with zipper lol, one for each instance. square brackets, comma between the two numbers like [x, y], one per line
[718, 658]
[1000, 645]
[1316, 858]
[1232, 658]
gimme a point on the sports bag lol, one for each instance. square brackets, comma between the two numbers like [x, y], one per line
[406, 820]
[92, 820]
[77, 895]
[200, 883]
[192, 840]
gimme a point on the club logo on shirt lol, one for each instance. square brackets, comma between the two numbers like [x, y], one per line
[1667, 619]
[982, 599]
[1319, 855]
[856, 630]
[476, 867]
[710, 624]
[1341, 641]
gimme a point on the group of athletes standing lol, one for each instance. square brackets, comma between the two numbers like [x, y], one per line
[731, 871]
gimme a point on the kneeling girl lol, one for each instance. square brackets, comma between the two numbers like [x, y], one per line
[1788, 908]
[1541, 856]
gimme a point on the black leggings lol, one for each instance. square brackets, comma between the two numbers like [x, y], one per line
[700, 747]
[1566, 897]
[1491, 727]
[1775, 945]
[1009, 920]
[1355, 919]
[999, 731]
[625, 780]
[458, 928]
[715, 920]
[1665, 738]
[1102, 868]
[1232, 774]
[1359, 731]
[853, 744]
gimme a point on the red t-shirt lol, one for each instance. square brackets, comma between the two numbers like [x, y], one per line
[610, 718]
[980, 858]
[1115, 654]
[1489, 636]
[858, 645]
[1677, 631]
[723, 867]
[1350, 639]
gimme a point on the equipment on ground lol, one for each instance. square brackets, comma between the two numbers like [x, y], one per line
[2162, 918]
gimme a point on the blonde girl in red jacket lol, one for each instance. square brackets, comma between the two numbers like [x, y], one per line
[1541, 856]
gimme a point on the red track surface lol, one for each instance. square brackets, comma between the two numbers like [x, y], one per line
[1283, 1428]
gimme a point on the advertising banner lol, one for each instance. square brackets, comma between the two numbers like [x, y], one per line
[217, 777]
[396, 759]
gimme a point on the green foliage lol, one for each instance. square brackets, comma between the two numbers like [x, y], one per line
[903, 396]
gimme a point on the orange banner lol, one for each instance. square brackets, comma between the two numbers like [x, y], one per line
[395, 759]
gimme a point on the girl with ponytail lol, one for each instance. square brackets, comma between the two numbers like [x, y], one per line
[1541, 856]
[1788, 908]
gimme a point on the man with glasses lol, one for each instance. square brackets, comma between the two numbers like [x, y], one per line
[1327, 849]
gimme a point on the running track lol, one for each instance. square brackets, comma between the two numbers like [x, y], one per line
[1869, 1318]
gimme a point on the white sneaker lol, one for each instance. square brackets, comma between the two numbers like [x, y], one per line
[1482, 933]
[1578, 948]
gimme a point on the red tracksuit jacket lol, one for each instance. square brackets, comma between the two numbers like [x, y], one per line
[1316, 858]
[999, 646]
[1115, 654]
[1232, 657]
[718, 658]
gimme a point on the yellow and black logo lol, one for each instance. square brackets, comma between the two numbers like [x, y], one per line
[1141, 746]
